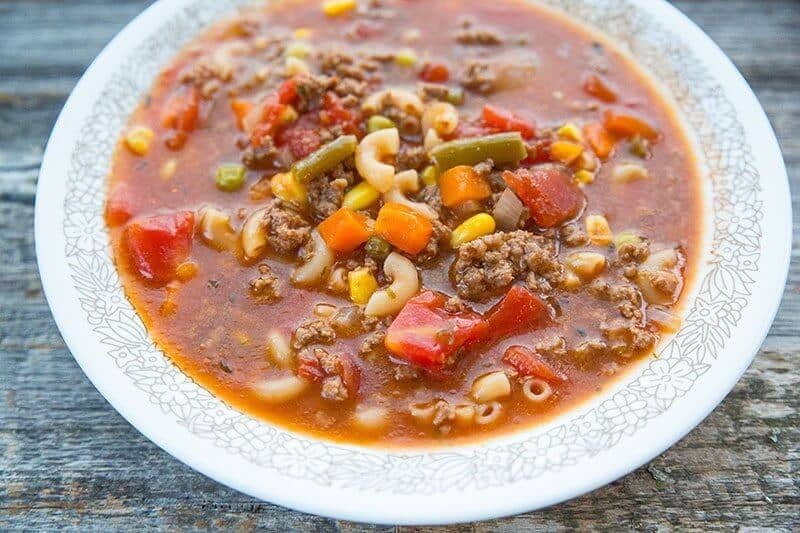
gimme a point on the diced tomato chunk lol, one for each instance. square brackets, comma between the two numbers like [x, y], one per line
[158, 244]
[503, 120]
[520, 311]
[529, 363]
[599, 88]
[424, 333]
[335, 113]
[287, 92]
[310, 367]
[182, 109]
[434, 73]
[548, 192]
[473, 128]
[119, 208]
[264, 119]
[302, 138]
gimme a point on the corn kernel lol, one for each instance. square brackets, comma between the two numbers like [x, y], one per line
[587, 161]
[566, 151]
[298, 50]
[295, 66]
[584, 177]
[571, 281]
[303, 33]
[472, 228]
[625, 237]
[360, 197]
[406, 57]
[286, 187]
[571, 132]
[242, 337]
[587, 265]
[334, 8]
[168, 169]
[362, 284]
[289, 115]
[598, 230]
[430, 176]
[186, 271]
[379, 122]
[139, 139]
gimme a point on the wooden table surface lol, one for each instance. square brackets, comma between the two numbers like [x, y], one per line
[68, 460]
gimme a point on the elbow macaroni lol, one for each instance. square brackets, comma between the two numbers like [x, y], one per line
[254, 239]
[407, 181]
[280, 351]
[321, 260]
[440, 117]
[370, 151]
[399, 98]
[405, 284]
[491, 387]
[281, 389]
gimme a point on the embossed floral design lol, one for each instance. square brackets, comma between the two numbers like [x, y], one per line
[722, 294]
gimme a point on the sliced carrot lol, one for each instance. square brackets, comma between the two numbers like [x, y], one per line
[625, 125]
[599, 88]
[345, 230]
[403, 228]
[600, 139]
[461, 184]
[241, 108]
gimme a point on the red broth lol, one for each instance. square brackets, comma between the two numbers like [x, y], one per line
[542, 72]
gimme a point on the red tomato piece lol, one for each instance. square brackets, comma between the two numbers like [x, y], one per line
[302, 137]
[158, 244]
[599, 88]
[182, 109]
[529, 363]
[424, 333]
[119, 208]
[265, 119]
[434, 73]
[548, 192]
[287, 92]
[471, 128]
[334, 113]
[503, 120]
[309, 367]
[518, 312]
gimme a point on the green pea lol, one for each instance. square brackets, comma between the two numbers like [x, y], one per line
[377, 248]
[230, 178]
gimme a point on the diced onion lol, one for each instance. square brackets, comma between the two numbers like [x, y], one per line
[508, 211]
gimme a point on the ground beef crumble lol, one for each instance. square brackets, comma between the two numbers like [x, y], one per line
[494, 261]
[287, 230]
[411, 157]
[326, 192]
[265, 285]
[316, 332]
[479, 76]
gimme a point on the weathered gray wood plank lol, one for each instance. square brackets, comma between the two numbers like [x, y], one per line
[68, 460]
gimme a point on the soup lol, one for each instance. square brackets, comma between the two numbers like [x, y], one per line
[383, 222]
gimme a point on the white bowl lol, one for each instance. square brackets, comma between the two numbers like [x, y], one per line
[728, 314]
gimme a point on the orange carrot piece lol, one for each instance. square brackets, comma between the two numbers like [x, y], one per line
[600, 139]
[403, 228]
[461, 184]
[345, 230]
[599, 88]
[240, 108]
[628, 125]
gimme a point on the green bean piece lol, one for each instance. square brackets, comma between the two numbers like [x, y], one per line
[230, 178]
[501, 148]
[379, 122]
[325, 159]
[377, 248]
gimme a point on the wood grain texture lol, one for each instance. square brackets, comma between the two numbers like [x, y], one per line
[70, 461]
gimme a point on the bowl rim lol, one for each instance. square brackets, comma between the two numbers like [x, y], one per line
[490, 503]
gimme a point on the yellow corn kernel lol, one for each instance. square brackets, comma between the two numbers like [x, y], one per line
[138, 140]
[472, 228]
[571, 132]
[295, 66]
[303, 33]
[298, 49]
[584, 177]
[429, 175]
[587, 265]
[360, 197]
[168, 169]
[566, 151]
[362, 284]
[242, 337]
[286, 187]
[334, 8]
[598, 230]
[289, 115]
[625, 237]
[587, 161]
[406, 57]
[186, 271]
